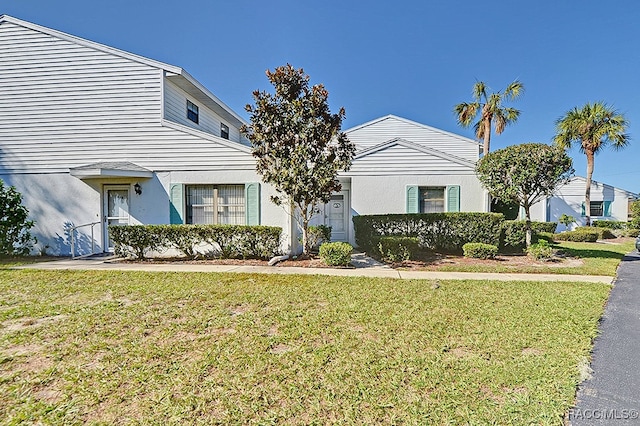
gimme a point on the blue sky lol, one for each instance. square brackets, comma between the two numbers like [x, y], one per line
[415, 59]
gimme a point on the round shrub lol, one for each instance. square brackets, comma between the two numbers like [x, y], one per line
[480, 250]
[540, 251]
[398, 249]
[336, 254]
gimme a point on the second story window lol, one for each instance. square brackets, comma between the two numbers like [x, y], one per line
[192, 111]
[224, 131]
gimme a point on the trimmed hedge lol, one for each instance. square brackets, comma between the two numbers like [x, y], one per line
[398, 249]
[437, 231]
[228, 241]
[611, 224]
[603, 233]
[479, 250]
[584, 234]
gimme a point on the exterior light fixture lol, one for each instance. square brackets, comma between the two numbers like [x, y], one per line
[137, 188]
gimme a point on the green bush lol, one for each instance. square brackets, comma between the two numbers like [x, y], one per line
[611, 224]
[628, 232]
[15, 235]
[316, 235]
[336, 254]
[398, 249]
[136, 240]
[435, 231]
[603, 233]
[228, 241]
[540, 251]
[513, 238]
[634, 210]
[479, 250]
[583, 234]
[546, 236]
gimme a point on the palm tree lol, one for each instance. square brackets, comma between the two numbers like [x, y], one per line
[594, 126]
[491, 109]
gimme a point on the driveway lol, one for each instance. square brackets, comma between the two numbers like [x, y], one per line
[612, 395]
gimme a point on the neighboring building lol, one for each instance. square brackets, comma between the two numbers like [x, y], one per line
[607, 203]
[90, 134]
[405, 167]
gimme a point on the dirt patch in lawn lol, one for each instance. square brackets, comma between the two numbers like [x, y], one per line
[435, 261]
[426, 261]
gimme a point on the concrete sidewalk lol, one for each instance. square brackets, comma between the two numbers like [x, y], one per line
[375, 270]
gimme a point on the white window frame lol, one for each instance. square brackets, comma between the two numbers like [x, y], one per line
[215, 205]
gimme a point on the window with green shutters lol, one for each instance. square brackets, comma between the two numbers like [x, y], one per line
[433, 199]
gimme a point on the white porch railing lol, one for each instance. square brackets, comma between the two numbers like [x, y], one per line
[72, 231]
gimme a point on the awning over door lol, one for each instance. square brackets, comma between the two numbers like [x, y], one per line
[121, 169]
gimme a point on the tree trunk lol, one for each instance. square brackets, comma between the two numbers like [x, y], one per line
[587, 192]
[305, 231]
[486, 122]
[527, 226]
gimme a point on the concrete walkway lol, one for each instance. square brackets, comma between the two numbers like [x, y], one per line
[612, 394]
[366, 269]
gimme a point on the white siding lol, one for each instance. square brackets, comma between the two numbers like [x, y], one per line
[175, 109]
[64, 105]
[569, 198]
[391, 127]
[401, 160]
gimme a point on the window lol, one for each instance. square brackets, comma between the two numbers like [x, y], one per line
[224, 131]
[215, 204]
[192, 111]
[597, 208]
[432, 199]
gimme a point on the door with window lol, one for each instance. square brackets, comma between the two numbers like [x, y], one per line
[116, 210]
[336, 214]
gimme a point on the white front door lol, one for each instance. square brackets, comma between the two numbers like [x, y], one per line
[336, 213]
[116, 210]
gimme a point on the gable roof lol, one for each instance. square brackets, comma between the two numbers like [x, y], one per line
[597, 183]
[413, 123]
[176, 74]
[421, 148]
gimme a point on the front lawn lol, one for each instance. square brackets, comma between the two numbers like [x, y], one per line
[196, 348]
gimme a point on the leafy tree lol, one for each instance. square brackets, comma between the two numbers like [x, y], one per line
[634, 209]
[15, 238]
[298, 143]
[594, 126]
[491, 111]
[524, 174]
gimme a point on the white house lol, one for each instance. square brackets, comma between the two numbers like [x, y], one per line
[405, 167]
[607, 203]
[92, 135]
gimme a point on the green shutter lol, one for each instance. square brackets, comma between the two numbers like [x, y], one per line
[176, 206]
[413, 195]
[583, 210]
[453, 198]
[606, 208]
[252, 203]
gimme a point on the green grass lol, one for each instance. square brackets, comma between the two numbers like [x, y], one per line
[176, 348]
[597, 259]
